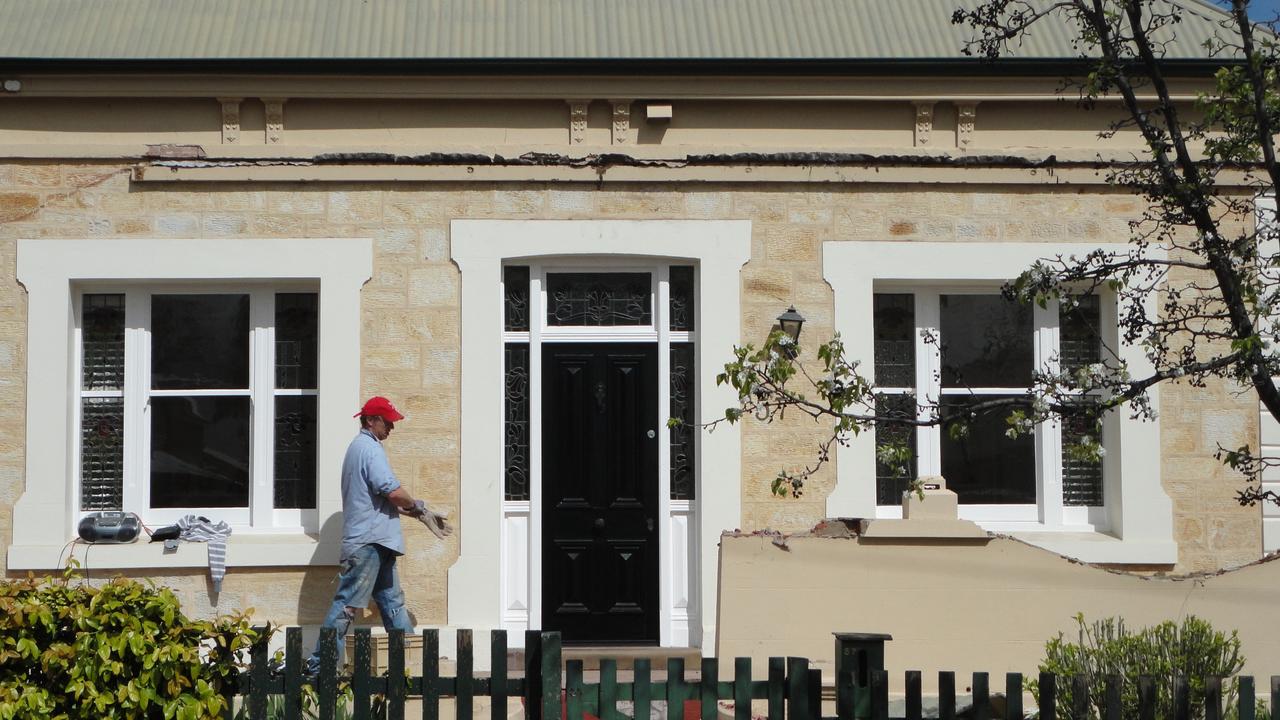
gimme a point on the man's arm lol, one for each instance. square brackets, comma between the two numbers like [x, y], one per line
[403, 501]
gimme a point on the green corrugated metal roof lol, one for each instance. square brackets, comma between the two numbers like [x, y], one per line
[406, 30]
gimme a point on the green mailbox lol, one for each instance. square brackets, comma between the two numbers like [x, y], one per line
[857, 654]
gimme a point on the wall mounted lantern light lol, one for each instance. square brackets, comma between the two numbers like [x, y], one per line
[791, 322]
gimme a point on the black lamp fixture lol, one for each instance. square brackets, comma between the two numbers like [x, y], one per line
[791, 322]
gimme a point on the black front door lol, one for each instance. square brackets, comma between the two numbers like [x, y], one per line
[600, 492]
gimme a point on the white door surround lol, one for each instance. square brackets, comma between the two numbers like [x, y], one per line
[481, 247]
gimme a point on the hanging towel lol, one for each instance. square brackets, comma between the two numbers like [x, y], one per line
[201, 529]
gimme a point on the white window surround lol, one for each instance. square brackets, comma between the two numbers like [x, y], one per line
[480, 247]
[50, 270]
[1269, 436]
[1139, 514]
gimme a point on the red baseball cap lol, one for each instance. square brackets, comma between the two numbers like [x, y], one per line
[381, 407]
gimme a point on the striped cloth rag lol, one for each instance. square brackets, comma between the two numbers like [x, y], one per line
[201, 529]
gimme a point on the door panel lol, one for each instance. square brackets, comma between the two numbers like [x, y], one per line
[600, 492]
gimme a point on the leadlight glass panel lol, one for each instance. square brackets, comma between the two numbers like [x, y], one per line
[684, 435]
[1081, 479]
[102, 338]
[891, 480]
[516, 420]
[515, 288]
[101, 453]
[599, 299]
[894, 326]
[681, 284]
[1080, 344]
[295, 452]
[297, 323]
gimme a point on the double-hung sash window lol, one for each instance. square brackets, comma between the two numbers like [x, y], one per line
[956, 348]
[199, 400]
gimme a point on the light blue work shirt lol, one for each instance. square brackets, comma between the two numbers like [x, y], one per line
[368, 517]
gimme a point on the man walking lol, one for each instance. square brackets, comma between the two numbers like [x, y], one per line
[372, 503]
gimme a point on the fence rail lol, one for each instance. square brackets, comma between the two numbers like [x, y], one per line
[792, 690]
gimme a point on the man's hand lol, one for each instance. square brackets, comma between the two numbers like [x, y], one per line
[436, 522]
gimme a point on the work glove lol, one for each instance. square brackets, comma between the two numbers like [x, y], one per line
[436, 522]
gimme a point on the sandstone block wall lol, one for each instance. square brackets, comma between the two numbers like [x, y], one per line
[411, 334]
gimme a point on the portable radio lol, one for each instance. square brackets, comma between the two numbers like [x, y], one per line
[109, 526]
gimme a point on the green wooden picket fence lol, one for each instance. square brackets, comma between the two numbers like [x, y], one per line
[792, 690]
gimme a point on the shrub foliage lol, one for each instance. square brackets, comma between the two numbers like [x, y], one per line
[120, 650]
[1106, 647]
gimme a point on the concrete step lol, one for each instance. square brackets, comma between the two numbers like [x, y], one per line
[625, 655]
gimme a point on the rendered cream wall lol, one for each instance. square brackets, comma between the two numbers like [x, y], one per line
[411, 322]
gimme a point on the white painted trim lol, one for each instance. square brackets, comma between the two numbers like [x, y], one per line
[52, 269]
[480, 247]
[1140, 513]
[1269, 429]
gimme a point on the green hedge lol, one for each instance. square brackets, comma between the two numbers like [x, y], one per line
[123, 649]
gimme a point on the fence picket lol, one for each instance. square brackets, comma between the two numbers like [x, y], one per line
[1048, 696]
[1181, 698]
[293, 673]
[549, 673]
[1111, 701]
[844, 696]
[1213, 698]
[815, 693]
[609, 690]
[1246, 697]
[981, 697]
[328, 691]
[465, 686]
[915, 704]
[1013, 695]
[1079, 698]
[777, 687]
[395, 675]
[430, 674]
[798, 688]
[360, 676]
[879, 695]
[708, 697]
[258, 675]
[675, 688]
[1146, 698]
[946, 695]
[641, 689]
[573, 709]
[498, 674]
[741, 691]
[532, 675]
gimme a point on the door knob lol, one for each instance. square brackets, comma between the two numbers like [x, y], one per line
[652, 434]
[648, 522]
[599, 523]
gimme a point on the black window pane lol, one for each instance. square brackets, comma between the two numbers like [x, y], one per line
[199, 341]
[986, 342]
[598, 299]
[684, 435]
[515, 288]
[199, 452]
[101, 453]
[516, 420]
[986, 467]
[1081, 479]
[681, 297]
[102, 342]
[297, 346]
[295, 455]
[892, 478]
[894, 324]
[1078, 333]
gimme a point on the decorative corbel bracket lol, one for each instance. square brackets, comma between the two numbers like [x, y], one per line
[578, 121]
[924, 122]
[275, 119]
[230, 120]
[966, 117]
[621, 121]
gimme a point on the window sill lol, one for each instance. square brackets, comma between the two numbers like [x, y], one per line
[1097, 547]
[248, 550]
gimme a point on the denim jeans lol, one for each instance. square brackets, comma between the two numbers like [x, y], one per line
[369, 572]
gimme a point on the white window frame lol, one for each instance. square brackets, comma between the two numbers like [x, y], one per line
[1049, 509]
[1138, 516]
[53, 271]
[260, 513]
